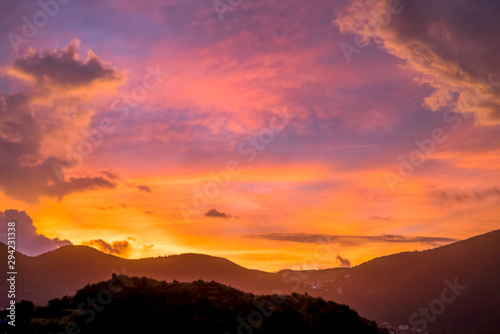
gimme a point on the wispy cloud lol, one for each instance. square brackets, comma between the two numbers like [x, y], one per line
[460, 196]
[351, 240]
[387, 219]
[145, 188]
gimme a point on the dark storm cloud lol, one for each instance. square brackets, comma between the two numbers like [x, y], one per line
[64, 68]
[216, 214]
[450, 45]
[25, 173]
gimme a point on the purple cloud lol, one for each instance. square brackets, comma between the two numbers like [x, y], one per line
[28, 240]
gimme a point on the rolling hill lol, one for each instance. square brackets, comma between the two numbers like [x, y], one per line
[141, 305]
[395, 287]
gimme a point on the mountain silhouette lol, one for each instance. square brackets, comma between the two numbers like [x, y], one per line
[387, 289]
[394, 288]
[141, 305]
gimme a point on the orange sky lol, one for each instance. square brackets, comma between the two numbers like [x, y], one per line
[315, 145]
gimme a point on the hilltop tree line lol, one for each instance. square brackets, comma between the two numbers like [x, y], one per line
[141, 305]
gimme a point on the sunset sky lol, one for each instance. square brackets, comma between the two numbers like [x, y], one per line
[252, 130]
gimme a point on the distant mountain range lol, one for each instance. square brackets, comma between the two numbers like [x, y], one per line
[450, 289]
